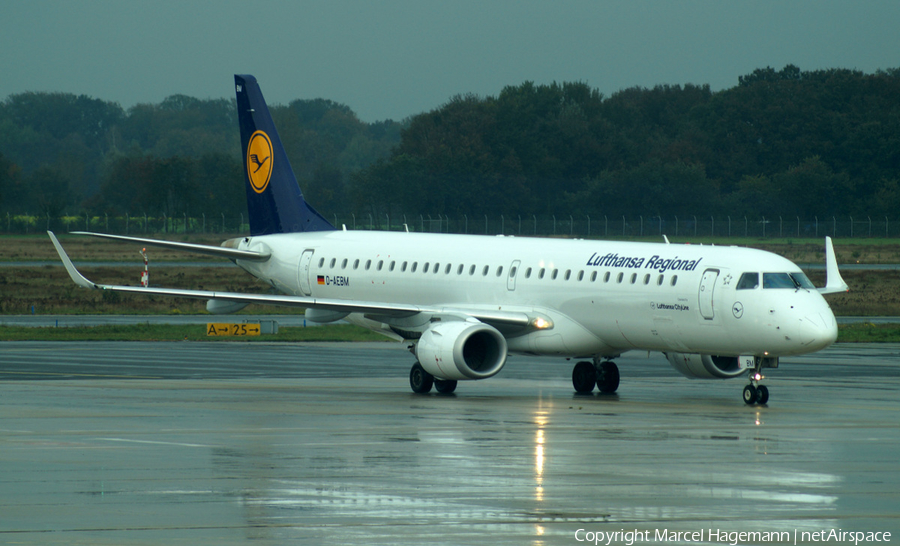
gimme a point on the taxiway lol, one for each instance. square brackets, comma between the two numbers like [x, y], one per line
[224, 443]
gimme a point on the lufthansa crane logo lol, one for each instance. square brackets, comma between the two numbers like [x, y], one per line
[259, 161]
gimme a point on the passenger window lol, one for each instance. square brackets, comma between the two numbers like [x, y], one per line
[321, 262]
[606, 277]
[659, 281]
[368, 264]
[355, 264]
[392, 265]
[541, 273]
[485, 271]
[568, 274]
[472, 270]
[512, 271]
[748, 281]
[333, 261]
[380, 265]
[459, 270]
[344, 263]
[437, 266]
[633, 278]
[500, 271]
[414, 266]
[580, 275]
[619, 277]
[425, 267]
[447, 270]
[594, 276]
[403, 268]
[674, 280]
[528, 273]
[647, 278]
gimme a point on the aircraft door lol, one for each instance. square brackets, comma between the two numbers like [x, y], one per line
[513, 273]
[707, 291]
[303, 272]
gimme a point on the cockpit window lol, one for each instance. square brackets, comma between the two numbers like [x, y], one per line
[787, 280]
[803, 281]
[748, 281]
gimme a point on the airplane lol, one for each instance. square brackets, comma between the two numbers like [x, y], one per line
[465, 302]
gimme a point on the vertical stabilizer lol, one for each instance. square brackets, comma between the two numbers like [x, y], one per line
[274, 199]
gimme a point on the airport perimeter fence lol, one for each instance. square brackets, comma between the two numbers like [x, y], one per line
[565, 225]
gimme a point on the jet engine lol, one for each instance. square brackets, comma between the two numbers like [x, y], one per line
[461, 350]
[697, 366]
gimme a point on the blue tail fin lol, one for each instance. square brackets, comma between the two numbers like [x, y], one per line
[274, 199]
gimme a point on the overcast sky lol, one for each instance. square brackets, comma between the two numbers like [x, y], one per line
[395, 58]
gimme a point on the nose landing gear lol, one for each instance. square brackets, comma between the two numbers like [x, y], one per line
[754, 393]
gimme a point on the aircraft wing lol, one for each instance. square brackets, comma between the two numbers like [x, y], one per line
[396, 310]
[217, 251]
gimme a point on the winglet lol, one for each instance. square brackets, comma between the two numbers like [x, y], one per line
[79, 279]
[834, 283]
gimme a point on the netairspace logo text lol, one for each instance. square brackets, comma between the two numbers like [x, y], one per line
[732, 538]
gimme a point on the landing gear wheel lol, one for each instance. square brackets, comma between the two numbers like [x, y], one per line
[607, 377]
[762, 395]
[420, 381]
[751, 394]
[445, 386]
[584, 377]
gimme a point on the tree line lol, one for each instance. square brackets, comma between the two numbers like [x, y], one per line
[781, 142]
[62, 154]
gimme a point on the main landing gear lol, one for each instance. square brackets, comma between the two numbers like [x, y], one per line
[754, 393]
[605, 375]
[421, 381]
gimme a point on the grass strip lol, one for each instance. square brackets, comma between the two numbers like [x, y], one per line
[183, 332]
[868, 332]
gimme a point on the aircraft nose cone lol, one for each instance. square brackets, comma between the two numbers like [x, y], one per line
[818, 331]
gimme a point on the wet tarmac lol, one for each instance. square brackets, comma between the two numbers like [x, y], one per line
[231, 443]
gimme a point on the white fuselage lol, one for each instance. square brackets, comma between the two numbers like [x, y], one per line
[603, 297]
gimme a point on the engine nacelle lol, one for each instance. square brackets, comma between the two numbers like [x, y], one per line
[697, 366]
[462, 350]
